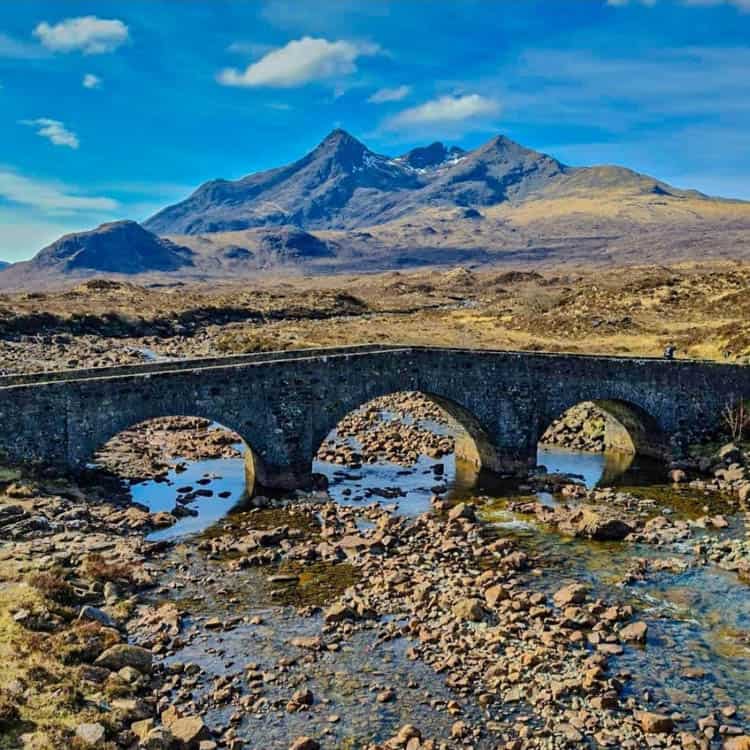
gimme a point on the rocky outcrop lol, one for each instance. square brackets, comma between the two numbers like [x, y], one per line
[342, 184]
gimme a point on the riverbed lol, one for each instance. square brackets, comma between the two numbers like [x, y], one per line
[696, 659]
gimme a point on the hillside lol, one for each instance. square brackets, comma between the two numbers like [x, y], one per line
[499, 203]
[120, 247]
[345, 208]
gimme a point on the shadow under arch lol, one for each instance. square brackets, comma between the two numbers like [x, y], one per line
[629, 429]
[473, 446]
[253, 469]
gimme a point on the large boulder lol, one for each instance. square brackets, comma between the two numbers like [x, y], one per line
[124, 655]
[574, 593]
[591, 523]
[189, 732]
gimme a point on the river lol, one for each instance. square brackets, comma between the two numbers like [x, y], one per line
[696, 658]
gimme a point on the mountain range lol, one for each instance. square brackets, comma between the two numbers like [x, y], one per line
[343, 207]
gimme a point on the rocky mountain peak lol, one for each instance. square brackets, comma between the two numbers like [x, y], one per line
[425, 157]
[343, 149]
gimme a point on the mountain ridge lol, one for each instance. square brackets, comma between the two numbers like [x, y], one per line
[342, 184]
[344, 208]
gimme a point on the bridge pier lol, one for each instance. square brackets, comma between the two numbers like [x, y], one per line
[276, 475]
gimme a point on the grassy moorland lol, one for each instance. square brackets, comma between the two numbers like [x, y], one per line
[702, 309]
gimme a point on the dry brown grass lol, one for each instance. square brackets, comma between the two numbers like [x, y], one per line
[53, 586]
[51, 702]
[704, 309]
[98, 568]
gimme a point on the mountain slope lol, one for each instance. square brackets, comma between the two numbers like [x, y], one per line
[341, 184]
[344, 208]
[312, 192]
[122, 247]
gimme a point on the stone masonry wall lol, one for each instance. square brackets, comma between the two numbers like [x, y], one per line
[284, 407]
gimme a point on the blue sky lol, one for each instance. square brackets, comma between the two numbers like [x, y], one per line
[114, 109]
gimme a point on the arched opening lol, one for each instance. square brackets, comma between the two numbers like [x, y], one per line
[600, 439]
[187, 471]
[403, 447]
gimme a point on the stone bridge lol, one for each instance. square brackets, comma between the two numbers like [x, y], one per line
[285, 404]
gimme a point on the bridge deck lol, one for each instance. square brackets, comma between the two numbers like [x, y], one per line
[194, 363]
[205, 363]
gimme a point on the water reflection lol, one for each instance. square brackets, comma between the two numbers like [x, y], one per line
[611, 469]
[227, 477]
[411, 487]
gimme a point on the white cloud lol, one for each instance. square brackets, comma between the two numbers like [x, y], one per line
[87, 34]
[299, 62]
[390, 95]
[91, 81]
[54, 131]
[446, 110]
[52, 197]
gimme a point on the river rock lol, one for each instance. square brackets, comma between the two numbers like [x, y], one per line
[124, 655]
[738, 743]
[652, 723]
[94, 613]
[495, 594]
[594, 524]
[462, 510]
[91, 735]
[634, 632]
[338, 612]
[469, 609]
[574, 593]
[189, 731]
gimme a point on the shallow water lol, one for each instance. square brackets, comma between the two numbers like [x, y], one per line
[225, 474]
[344, 682]
[697, 655]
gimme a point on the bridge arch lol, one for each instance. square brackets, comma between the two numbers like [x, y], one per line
[629, 427]
[472, 442]
[253, 464]
[284, 404]
[161, 442]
